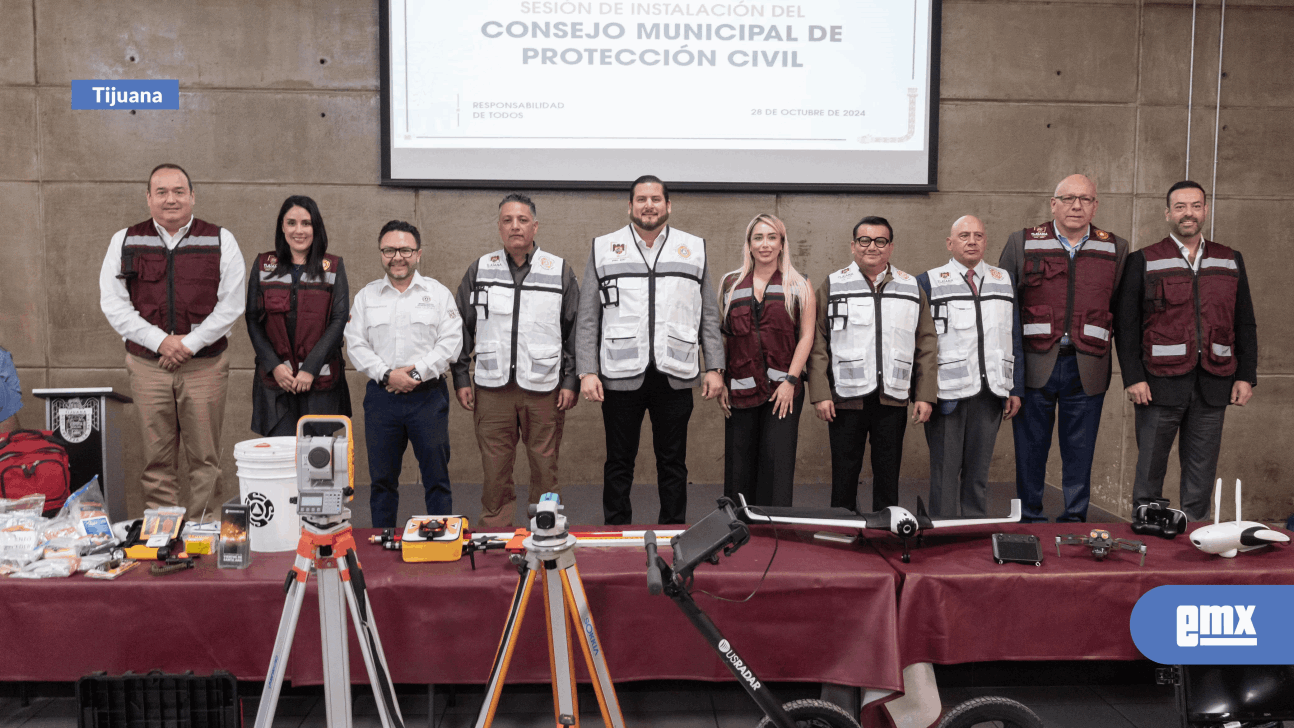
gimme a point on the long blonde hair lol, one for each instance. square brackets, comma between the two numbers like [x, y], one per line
[794, 285]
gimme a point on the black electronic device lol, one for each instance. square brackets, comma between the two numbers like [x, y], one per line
[1157, 519]
[1017, 548]
[702, 542]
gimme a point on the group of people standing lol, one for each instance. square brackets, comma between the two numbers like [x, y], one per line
[967, 344]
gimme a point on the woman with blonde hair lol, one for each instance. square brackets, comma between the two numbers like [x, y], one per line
[768, 326]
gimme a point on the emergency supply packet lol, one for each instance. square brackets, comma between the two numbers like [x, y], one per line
[109, 571]
[33, 504]
[161, 525]
[19, 540]
[58, 562]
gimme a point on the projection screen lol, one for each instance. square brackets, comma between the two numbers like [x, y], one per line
[826, 95]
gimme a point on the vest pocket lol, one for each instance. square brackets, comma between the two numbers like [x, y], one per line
[954, 371]
[544, 361]
[487, 361]
[900, 374]
[1094, 330]
[1036, 321]
[862, 312]
[1219, 350]
[620, 349]
[680, 352]
[1167, 350]
[740, 320]
[149, 267]
[1178, 291]
[1008, 370]
[276, 300]
[499, 301]
[961, 314]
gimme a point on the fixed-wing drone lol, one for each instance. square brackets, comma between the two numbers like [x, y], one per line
[899, 521]
[1230, 538]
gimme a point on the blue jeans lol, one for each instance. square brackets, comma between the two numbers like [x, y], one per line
[391, 422]
[1080, 417]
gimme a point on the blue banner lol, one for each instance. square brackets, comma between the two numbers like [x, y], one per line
[1215, 625]
[126, 94]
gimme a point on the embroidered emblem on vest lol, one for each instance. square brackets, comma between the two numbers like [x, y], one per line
[684, 252]
[494, 259]
[271, 263]
[901, 275]
[1039, 233]
[945, 274]
[546, 263]
[997, 274]
[618, 248]
[327, 264]
[1102, 235]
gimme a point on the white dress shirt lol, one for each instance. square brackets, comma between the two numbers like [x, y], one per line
[961, 271]
[1199, 253]
[389, 329]
[231, 295]
[650, 252]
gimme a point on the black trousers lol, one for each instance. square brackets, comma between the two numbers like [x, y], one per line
[622, 417]
[849, 434]
[759, 454]
[1197, 427]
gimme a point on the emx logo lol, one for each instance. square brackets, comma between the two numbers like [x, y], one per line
[1215, 625]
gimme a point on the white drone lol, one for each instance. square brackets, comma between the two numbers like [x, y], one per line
[899, 521]
[1230, 538]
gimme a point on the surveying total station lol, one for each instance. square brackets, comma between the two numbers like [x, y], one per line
[325, 478]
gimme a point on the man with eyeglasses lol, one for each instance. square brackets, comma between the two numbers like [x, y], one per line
[1066, 272]
[1188, 347]
[874, 351]
[518, 305]
[404, 331]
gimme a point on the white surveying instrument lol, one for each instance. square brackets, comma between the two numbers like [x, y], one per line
[325, 472]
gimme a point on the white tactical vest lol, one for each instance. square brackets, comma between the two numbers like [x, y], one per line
[872, 334]
[519, 328]
[650, 314]
[974, 331]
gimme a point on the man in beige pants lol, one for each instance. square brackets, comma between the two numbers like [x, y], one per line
[172, 287]
[518, 306]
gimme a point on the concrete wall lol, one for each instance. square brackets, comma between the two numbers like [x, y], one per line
[282, 98]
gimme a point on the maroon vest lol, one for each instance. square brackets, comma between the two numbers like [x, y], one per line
[1062, 295]
[1188, 318]
[173, 289]
[311, 302]
[759, 350]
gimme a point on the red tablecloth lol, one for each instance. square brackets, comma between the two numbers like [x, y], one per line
[826, 613]
[957, 605]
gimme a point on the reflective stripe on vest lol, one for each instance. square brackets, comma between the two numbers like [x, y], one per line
[649, 314]
[1047, 310]
[176, 289]
[860, 359]
[312, 305]
[1188, 318]
[974, 331]
[531, 316]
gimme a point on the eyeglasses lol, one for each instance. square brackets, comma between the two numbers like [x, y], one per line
[390, 253]
[1068, 200]
[863, 241]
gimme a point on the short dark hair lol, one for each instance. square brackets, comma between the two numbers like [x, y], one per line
[1185, 184]
[873, 220]
[647, 179]
[518, 197]
[168, 165]
[401, 226]
[318, 246]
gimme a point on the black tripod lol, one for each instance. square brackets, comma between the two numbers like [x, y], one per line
[722, 530]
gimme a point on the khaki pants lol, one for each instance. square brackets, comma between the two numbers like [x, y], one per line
[504, 416]
[181, 409]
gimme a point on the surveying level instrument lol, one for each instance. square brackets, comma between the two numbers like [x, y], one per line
[550, 559]
[325, 468]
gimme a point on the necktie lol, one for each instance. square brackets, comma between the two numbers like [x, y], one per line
[970, 280]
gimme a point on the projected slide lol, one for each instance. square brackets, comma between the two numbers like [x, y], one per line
[728, 94]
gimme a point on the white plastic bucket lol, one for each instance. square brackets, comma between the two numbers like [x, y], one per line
[266, 480]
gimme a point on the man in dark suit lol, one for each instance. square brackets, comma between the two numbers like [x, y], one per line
[1066, 273]
[1188, 347]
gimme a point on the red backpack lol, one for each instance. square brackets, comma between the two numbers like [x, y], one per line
[34, 461]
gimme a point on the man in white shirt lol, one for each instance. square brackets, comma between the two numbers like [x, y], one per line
[404, 331]
[172, 287]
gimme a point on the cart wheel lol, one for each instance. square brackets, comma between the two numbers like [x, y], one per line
[814, 714]
[991, 711]
[999, 561]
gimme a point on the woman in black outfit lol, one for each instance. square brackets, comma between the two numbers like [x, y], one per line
[297, 306]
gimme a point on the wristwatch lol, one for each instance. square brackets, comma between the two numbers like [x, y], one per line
[413, 373]
[794, 380]
[385, 378]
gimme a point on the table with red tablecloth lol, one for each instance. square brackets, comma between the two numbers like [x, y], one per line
[956, 605]
[824, 613]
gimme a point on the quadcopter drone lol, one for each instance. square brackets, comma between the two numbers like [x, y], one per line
[1101, 544]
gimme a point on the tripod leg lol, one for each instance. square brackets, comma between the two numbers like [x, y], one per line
[282, 647]
[593, 655]
[506, 645]
[561, 652]
[379, 676]
[334, 639]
